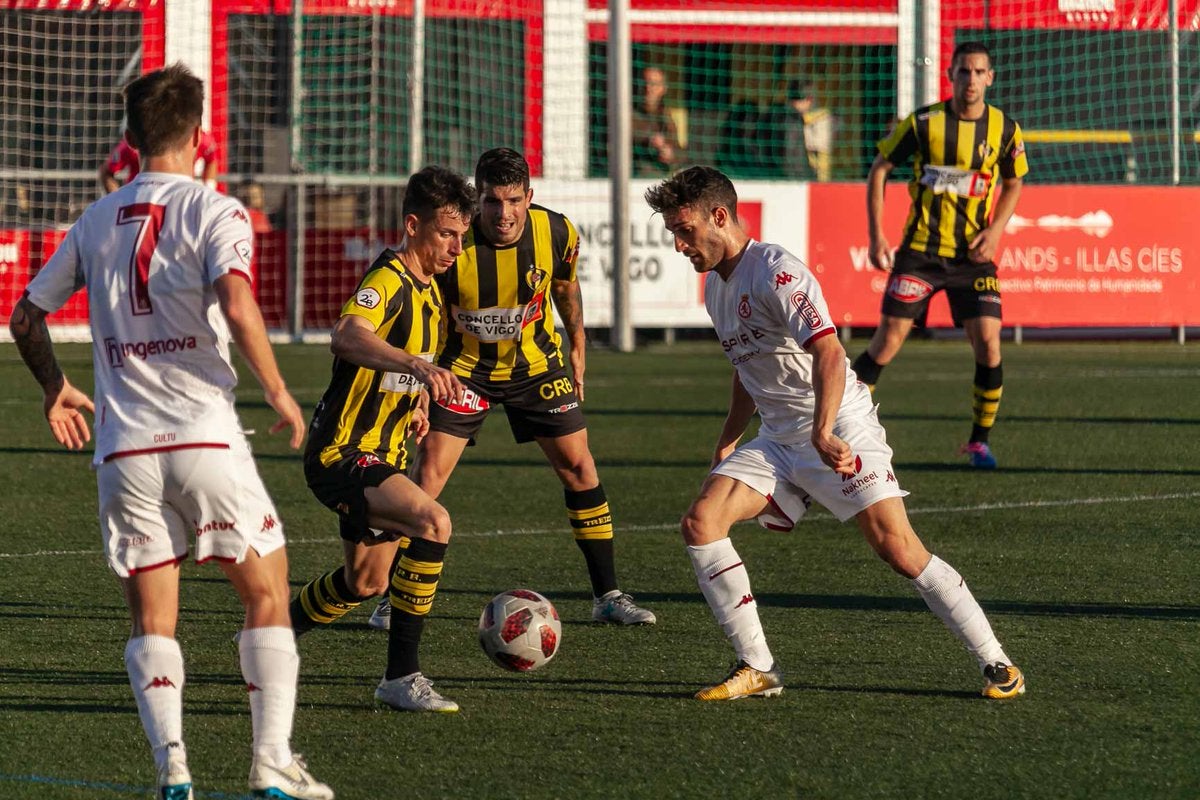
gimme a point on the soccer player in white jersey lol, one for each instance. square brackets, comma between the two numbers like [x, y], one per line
[165, 263]
[819, 438]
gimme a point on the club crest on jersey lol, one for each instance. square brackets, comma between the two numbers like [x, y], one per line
[367, 298]
[744, 307]
[985, 150]
[243, 250]
[807, 310]
[908, 289]
[534, 277]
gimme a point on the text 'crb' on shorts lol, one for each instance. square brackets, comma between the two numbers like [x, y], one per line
[789, 475]
[340, 486]
[544, 406]
[151, 504]
[971, 288]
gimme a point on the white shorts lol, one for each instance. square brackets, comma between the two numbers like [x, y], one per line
[151, 504]
[791, 476]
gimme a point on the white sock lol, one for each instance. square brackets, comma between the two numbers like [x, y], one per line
[155, 667]
[948, 597]
[271, 666]
[726, 587]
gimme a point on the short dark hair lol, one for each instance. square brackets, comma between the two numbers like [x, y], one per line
[701, 188]
[162, 108]
[799, 89]
[435, 188]
[502, 166]
[970, 48]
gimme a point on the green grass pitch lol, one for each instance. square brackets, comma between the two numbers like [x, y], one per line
[1082, 547]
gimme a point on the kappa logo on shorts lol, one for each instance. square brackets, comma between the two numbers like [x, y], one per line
[472, 403]
[269, 523]
[891, 478]
[367, 460]
[807, 310]
[744, 307]
[908, 289]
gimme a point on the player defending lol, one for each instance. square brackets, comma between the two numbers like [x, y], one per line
[963, 150]
[502, 343]
[383, 346]
[819, 437]
[165, 262]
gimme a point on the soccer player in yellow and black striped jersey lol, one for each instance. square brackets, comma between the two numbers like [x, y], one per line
[384, 344]
[517, 267]
[968, 162]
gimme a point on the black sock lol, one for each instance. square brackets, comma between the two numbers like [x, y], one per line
[322, 601]
[413, 587]
[985, 402]
[591, 523]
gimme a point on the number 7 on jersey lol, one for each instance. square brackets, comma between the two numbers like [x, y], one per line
[143, 251]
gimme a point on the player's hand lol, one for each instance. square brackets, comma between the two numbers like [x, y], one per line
[880, 253]
[577, 369]
[289, 413]
[62, 410]
[443, 384]
[722, 452]
[836, 454]
[418, 424]
[985, 245]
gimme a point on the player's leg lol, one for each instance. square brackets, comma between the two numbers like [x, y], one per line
[725, 583]
[368, 558]
[914, 280]
[437, 456]
[590, 519]
[398, 504]
[144, 540]
[886, 528]
[246, 538]
[984, 335]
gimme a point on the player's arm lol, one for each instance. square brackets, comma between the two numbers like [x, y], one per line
[987, 241]
[880, 251]
[829, 384]
[250, 334]
[568, 300]
[354, 340]
[106, 177]
[61, 402]
[741, 409]
[209, 177]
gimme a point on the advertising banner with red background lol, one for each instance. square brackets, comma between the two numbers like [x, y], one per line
[1071, 256]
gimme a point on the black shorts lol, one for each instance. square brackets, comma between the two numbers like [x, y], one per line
[544, 406]
[971, 287]
[340, 486]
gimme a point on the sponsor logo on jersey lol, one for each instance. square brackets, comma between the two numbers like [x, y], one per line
[401, 382]
[472, 403]
[138, 540]
[783, 279]
[955, 181]
[497, 324]
[243, 250]
[908, 289]
[807, 310]
[987, 284]
[118, 351]
[367, 298]
[743, 309]
[564, 408]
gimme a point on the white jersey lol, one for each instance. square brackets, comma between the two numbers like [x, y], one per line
[768, 310]
[149, 254]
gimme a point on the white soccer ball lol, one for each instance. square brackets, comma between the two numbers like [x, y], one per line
[519, 630]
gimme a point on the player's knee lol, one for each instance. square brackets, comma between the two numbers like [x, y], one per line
[579, 476]
[434, 524]
[695, 528]
[903, 552]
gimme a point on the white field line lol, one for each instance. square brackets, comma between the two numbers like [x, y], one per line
[666, 526]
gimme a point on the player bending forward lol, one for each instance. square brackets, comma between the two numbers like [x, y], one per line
[819, 437]
[165, 262]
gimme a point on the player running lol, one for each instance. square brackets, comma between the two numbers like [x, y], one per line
[165, 262]
[819, 438]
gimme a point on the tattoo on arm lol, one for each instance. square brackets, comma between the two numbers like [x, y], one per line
[28, 326]
[569, 300]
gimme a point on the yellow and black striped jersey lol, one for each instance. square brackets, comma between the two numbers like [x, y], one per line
[957, 166]
[499, 314]
[369, 410]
